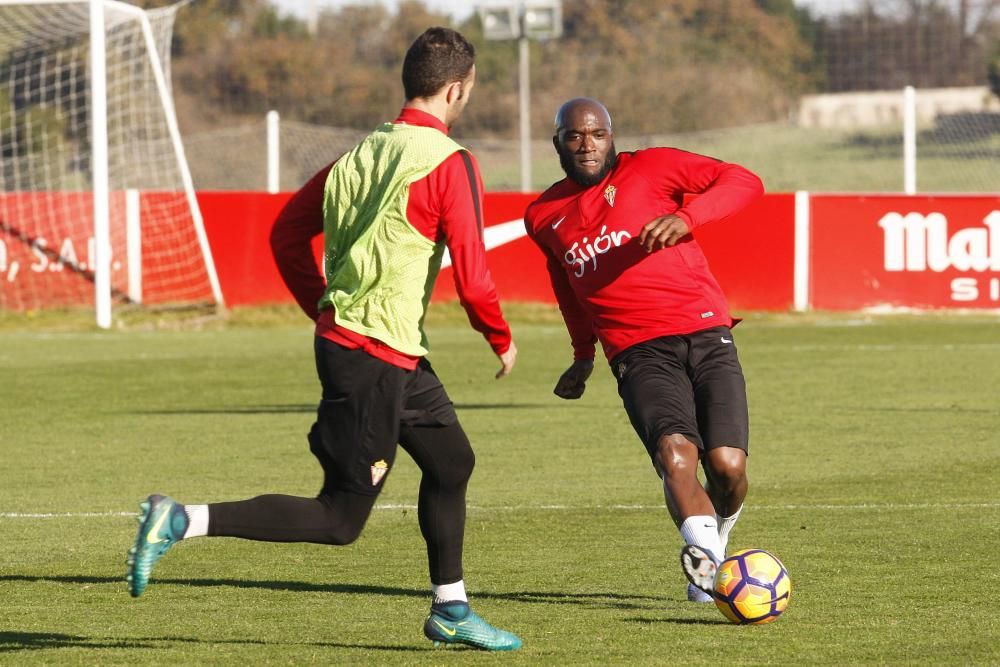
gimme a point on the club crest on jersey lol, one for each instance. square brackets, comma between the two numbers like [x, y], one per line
[609, 194]
[379, 469]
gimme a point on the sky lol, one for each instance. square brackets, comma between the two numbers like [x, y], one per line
[460, 9]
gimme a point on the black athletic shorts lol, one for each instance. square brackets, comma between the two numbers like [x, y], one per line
[365, 401]
[690, 384]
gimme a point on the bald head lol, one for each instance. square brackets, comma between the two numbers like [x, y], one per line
[570, 112]
[585, 141]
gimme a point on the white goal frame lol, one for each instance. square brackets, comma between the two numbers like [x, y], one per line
[99, 147]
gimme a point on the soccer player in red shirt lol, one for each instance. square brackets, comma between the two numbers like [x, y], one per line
[626, 271]
[387, 210]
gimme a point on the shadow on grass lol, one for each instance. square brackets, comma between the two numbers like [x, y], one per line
[310, 408]
[644, 620]
[600, 600]
[502, 406]
[244, 410]
[12, 641]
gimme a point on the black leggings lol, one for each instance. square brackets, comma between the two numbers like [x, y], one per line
[446, 460]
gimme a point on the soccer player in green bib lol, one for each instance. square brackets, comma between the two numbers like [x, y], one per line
[387, 210]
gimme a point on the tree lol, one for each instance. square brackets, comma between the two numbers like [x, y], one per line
[924, 43]
[29, 135]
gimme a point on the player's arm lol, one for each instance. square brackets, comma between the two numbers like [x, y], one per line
[461, 226]
[723, 190]
[299, 222]
[573, 382]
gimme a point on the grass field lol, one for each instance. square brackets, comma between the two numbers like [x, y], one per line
[875, 453]
[790, 158]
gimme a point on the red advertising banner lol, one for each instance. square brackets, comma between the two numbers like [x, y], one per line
[864, 251]
[751, 254]
[870, 251]
[238, 226]
[48, 251]
[47, 248]
[518, 267]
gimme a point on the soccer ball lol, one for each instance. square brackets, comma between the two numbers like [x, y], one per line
[752, 587]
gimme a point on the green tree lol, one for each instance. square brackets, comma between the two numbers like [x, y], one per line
[677, 64]
[30, 136]
[660, 65]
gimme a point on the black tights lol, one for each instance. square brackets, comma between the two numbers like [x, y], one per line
[337, 517]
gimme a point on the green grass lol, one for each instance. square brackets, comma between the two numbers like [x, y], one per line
[875, 452]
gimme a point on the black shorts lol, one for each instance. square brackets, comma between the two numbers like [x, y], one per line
[365, 401]
[689, 384]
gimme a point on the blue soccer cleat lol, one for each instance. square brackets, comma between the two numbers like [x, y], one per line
[695, 594]
[161, 524]
[456, 623]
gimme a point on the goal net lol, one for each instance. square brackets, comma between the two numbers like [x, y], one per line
[95, 208]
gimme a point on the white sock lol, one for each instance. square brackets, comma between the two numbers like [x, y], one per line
[197, 521]
[703, 531]
[449, 592]
[726, 524]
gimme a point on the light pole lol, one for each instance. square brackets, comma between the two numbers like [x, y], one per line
[522, 20]
[312, 17]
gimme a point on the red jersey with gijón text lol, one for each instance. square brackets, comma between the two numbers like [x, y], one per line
[446, 204]
[606, 284]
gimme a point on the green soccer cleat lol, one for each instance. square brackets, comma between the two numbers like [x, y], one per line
[456, 623]
[161, 524]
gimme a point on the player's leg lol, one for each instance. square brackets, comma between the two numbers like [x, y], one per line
[723, 421]
[658, 397]
[677, 459]
[431, 434]
[725, 472]
[354, 438]
[692, 511]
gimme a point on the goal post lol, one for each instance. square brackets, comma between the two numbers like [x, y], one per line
[99, 164]
[97, 203]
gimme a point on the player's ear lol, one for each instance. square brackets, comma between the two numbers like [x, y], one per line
[453, 92]
[555, 141]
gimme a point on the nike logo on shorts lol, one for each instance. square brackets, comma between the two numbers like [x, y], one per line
[726, 340]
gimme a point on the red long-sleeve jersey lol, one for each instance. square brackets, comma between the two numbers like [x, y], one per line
[606, 284]
[444, 205]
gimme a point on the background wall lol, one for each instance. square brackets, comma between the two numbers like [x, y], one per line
[864, 251]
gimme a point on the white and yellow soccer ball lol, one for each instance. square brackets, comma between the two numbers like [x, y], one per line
[752, 587]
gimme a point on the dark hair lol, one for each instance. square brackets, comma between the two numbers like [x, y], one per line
[438, 57]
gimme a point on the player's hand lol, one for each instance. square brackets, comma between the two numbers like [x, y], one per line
[573, 382]
[507, 360]
[663, 231]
